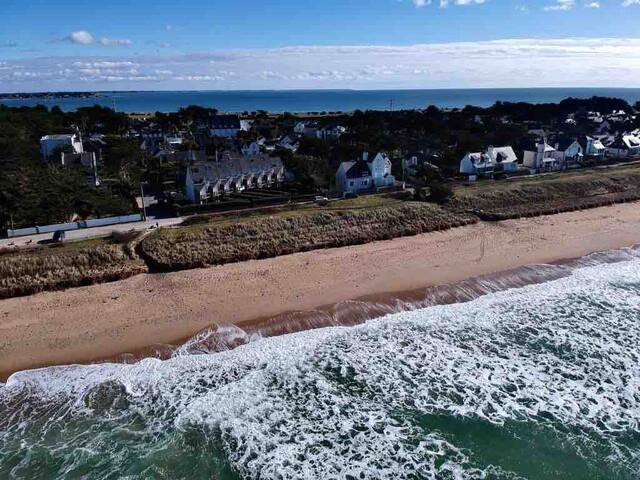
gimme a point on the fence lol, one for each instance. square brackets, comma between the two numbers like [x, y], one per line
[97, 222]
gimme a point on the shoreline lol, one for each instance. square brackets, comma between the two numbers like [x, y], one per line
[86, 324]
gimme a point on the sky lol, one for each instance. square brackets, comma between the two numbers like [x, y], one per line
[88, 45]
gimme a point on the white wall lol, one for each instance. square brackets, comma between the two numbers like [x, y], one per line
[97, 222]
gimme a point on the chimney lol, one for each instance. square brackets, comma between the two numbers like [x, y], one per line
[365, 156]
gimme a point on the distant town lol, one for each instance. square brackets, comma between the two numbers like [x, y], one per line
[93, 163]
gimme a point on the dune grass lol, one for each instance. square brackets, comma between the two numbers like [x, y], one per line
[218, 243]
[549, 194]
[28, 271]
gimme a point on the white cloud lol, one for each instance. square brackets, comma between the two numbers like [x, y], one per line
[561, 5]
[421, 3]
[522, 63]
[82, 37]
[592, 5]
[445, 3]
[628, 3]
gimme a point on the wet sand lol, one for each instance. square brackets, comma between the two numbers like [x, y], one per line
[101, 321]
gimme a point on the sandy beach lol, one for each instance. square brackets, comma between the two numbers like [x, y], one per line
[102, 321]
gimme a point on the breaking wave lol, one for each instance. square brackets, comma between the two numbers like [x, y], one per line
[540, 381]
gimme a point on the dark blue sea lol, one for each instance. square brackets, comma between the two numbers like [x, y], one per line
[323, 100]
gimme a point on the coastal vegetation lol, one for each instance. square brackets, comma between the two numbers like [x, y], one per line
[291, 232]
[220, 238]
[548, 194]
[55, 267]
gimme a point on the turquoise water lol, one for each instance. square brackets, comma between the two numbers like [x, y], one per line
[325, 100]
[538, 382]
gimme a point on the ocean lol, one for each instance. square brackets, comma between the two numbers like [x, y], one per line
[540, 381]
[323, 100]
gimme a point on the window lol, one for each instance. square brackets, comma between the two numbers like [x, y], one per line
[351, 183]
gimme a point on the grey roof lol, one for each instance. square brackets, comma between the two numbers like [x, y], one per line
[358, 169]
[225, 122]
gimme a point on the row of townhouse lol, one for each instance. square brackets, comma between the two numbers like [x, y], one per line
[567, 152]
[207, 180]
[550, 153]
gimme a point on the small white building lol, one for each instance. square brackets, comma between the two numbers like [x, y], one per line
[49, 144]
[494, 160]
[364, 175]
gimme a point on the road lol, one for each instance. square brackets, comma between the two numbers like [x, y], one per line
[85, 233]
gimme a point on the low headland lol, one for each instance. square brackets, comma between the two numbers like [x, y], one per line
[236, 269]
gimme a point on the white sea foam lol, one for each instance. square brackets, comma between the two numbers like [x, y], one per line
[340, 401]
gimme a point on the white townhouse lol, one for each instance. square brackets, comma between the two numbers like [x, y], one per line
[50, 143]
[208, 180]
[364, 175]
[494, 160]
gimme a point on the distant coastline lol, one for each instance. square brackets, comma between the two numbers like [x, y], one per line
[297, 101]
[48, 95]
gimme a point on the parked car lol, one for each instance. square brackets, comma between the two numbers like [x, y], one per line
[320, 200]
[58, 236]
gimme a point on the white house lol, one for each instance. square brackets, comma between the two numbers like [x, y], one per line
[308, 128]
[592, 147]
[540, 157]
[364, 175]
[50, 143]
[289, 142]
[623, 146]
[494, 160]
[568, 151]
[299, 127]
[331, 132]
[208, 180]
[250, 149]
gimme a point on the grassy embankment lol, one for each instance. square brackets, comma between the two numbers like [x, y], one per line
[342, 223]
[216, 239]
[37, 269]
[549, 194]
